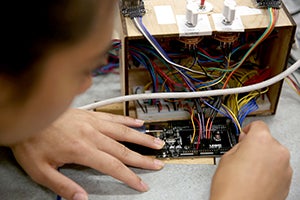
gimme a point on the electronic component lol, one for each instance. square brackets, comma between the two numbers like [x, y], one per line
[132, 8]
[180, 142]
[191, 15]
[229, 12]
[158, 58]
[200, 6]
[268, 3]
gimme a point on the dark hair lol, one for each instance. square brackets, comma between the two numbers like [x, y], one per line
[30, 28]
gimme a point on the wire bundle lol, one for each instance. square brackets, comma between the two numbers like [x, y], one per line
[294, 83]
[203, 81]
[273, 13]
[164, 78]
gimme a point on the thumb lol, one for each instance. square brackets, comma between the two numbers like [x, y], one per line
[232, 150]
[61, 185]
[236, 147]
[242, 136]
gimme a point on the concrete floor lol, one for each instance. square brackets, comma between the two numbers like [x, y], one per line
[191, 183]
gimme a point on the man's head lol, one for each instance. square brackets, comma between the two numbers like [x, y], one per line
[48, 49]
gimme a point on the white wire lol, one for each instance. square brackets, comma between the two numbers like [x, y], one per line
[208, 93]
[140, 28]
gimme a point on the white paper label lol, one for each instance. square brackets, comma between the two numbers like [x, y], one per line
[164, 15]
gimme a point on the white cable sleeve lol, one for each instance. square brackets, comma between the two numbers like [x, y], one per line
[207, 93]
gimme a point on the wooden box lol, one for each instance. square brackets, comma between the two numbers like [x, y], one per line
[272, 53]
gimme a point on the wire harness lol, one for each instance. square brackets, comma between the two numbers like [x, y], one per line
[207, 93]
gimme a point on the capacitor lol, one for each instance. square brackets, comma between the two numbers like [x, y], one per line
[229, 12]
[178, 148]
[172, 148]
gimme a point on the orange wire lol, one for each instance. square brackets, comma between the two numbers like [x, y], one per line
[210, 126]
[206, 128]
[275, 17]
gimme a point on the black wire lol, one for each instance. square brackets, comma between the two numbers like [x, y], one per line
[140, 105]
[138, 102]
[295, 12]
[296, 80]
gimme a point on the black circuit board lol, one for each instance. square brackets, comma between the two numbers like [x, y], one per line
[132, 8]
[268, 3]
[178, 139]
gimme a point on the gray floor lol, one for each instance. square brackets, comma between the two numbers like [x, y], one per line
[193, 180]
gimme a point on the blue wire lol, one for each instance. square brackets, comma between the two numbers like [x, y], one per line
[224, 114]
[152, 74]
[190, 85]
[109, 67]
[248, 108]
[236, 49]
[139, 57]
[154, 41]
[151, 70]
[152, 38]
[209, 58]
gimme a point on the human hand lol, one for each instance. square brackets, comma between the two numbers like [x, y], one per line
[90, 139]
[258, 167]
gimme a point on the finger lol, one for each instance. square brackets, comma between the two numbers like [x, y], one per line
[258, 132]
[126, 134]
[242, 135]
[109, 165]
[233, 150]
[60, 184]
[128, 156]
[128, 121]
[256, 127]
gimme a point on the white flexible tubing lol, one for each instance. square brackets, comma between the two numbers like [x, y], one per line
[207, 93]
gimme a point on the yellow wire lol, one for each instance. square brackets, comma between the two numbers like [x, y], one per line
[234, 117]
[292, 86]
[147, 86]
[206, 86]
[194, 127]
[233, 102]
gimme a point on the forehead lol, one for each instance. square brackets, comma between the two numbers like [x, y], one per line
[101, 32]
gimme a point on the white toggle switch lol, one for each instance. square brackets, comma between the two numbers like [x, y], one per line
[229, 12]
[191, 15]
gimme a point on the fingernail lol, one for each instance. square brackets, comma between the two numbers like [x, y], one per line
[145, 187]
[159, 142]
[158, 163]
[139, 121]
[80, 196]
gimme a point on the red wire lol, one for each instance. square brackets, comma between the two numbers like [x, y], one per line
[202, 2]
[206, 53]
[199, 133]
[171, 83]
[294, 84]
[262, 75]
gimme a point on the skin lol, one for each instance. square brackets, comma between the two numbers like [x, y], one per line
[45, 134]
[67, 74]
[258, 167]
[88, 139]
